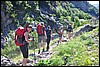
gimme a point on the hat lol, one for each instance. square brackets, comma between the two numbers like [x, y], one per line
[42, 23]
[29, 26]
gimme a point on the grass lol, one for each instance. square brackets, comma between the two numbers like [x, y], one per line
[77, 52]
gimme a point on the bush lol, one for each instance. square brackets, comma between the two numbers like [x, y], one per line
[43, 63]
[10, 50]
[76, 22]
[57, 61]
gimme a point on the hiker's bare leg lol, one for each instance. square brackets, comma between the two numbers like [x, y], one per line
[39, 47]
[71, 35]
[60, 39]
[68, 35]
[24, 61]
[43, 45]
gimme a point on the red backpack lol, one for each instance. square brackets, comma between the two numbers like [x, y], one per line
[40, 29]
[19, 36]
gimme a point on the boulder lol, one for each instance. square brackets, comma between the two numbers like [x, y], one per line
[6, 62]
[86, 28]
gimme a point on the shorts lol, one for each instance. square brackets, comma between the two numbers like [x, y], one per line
[24, 50]
[40, 39]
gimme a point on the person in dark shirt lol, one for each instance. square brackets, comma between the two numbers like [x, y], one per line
[48, 33]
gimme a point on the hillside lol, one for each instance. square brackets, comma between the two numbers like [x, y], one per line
[86, 7]
[14, 13]
[81, 50]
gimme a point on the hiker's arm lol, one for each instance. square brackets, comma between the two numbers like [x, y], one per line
[15, 36]
[51, 34]
[45, 34]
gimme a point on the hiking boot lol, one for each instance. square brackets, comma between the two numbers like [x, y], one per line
[38, 51]
[58, 42]
[47, 50]
[43, 50]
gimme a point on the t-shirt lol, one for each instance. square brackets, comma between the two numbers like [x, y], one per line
[69, 28]
[48, 32]
[26, 34]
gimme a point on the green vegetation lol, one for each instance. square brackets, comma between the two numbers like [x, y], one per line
[77, 52]
[10, 50]
[25, 11]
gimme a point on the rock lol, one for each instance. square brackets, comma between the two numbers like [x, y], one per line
[89, 52]
[3, 58]
[96, 44]
[31, 54]
[29, 61]
[12, 63]
[86, 28]
[64, 40]
[40, 56]
[6, 62]
[30, 64]
[92, 58]
[19, 62]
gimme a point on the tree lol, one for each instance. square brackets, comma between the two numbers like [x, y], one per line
[76, 22]
[68, 18]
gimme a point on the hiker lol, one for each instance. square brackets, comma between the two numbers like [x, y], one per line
[48, 33]
[25, 37]
[60, 33]
[70, 31]
[41, 36]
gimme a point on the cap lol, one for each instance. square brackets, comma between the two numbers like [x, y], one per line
[42, 23]
[29, 26]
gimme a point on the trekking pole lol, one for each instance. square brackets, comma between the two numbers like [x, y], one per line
[34, 56]
[34, 51]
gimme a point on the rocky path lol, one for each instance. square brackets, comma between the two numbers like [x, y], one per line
[35, 57]
[44, 55]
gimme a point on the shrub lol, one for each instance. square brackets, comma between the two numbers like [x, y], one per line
[10, 50]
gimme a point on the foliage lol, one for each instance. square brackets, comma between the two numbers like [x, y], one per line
[76, 22]
[34, 43]
[77, 51]
[42, 63]
[10, 50]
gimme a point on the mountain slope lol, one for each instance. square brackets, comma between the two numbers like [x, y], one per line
[86, 7]
[15, 13]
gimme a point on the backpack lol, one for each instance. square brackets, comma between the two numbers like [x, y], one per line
[40, 30]
[70, 28]
[58, 30]
[19, 40]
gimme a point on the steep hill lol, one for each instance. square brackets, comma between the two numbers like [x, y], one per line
[15, 13]
[86, 7]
